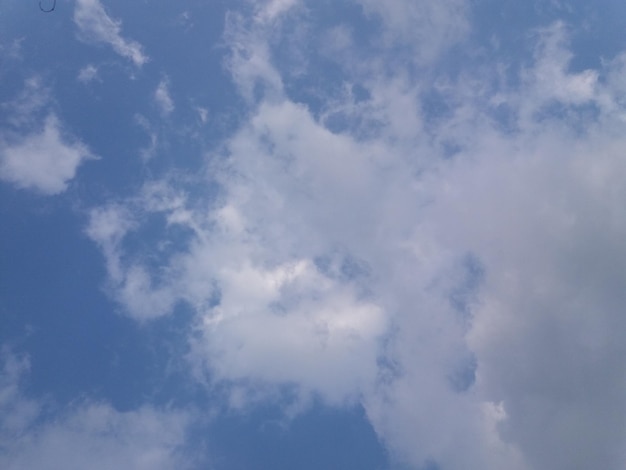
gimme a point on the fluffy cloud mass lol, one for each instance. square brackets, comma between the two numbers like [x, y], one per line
[35, 152]
[42, 161]
[447, 252]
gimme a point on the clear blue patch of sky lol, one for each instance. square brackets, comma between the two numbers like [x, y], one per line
[322, 437]
[52, 306]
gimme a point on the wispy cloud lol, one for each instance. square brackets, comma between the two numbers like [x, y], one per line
[87, 435]
[149, 150]
[163, 98]
[269, 10]
[427, 28]
[88, 73]
[95, 25]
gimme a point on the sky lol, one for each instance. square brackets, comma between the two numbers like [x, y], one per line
[313, 234]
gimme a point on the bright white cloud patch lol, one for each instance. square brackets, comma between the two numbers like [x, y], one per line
[318, 334]
[95, 25]
[36, 152]
[43, 161]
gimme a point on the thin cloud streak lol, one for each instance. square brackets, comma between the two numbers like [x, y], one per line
[96, 26]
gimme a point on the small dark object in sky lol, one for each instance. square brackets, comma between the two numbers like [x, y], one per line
[47, 10]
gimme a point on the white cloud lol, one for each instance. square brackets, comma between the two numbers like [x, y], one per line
[96, 436]
[88, 73]
[35, 151]
[42, 161]
[337, 262]
[86, 435]
[130, 283]
[16, 413]
[249, 62]
[163, 98]
[203, 114]
[271, 9]
[549, 315]
[149, 150]
[30, 104]
[95, 25]
[318, 334]
[427, 27]
[550, 78]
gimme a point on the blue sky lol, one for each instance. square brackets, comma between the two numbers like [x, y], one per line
[312, 234]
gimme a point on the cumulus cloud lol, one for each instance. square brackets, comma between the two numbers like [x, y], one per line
[95, 25]
[319, 335]
[549, 314]
[87, 435]
[462, 278]
[42, 161]
[35, 152]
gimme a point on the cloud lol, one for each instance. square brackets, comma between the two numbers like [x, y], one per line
[12, 50]
[31, 104]
[88, 74]
[534, 207]
[249, 61]
[319, 335]
[17, 413]
[42, 161]
[149, 150]
[97, 436]
[270, 10]
[203, 114]
[35, 152]
[458, 272]
[163, 98]
[129, 282]
[96, 26]
[86, 435]
[428, 28]
[548, 316]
